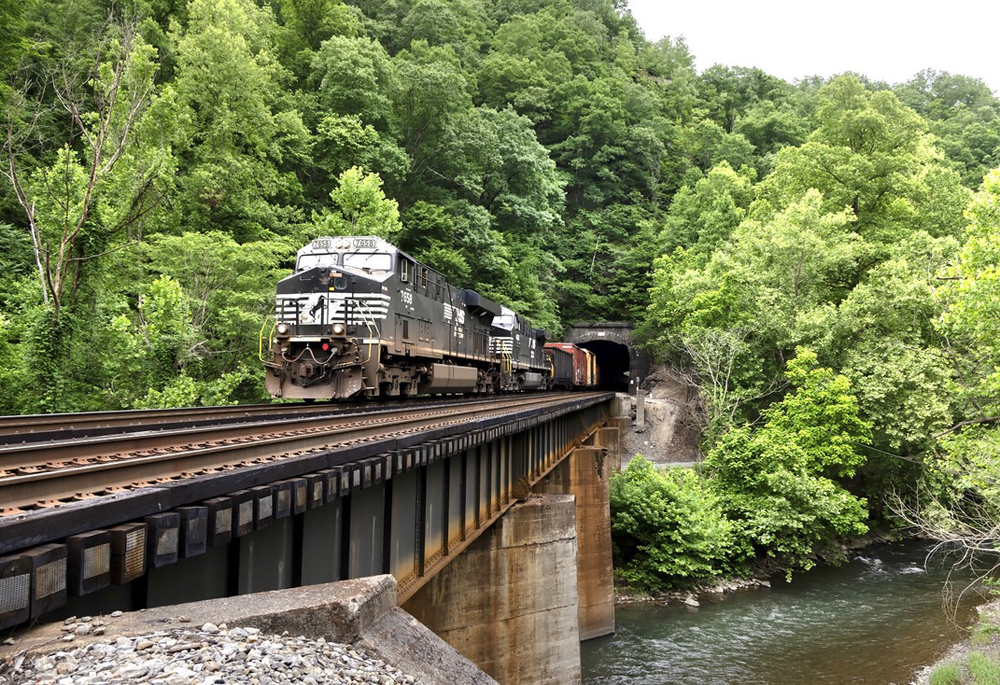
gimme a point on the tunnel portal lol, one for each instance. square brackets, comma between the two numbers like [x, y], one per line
[621, 364]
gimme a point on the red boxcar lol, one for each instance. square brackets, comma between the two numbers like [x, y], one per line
[572, 367]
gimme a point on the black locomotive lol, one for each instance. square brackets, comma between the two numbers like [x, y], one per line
[359, 318]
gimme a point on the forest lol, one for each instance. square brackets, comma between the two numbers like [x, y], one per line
[818, 258]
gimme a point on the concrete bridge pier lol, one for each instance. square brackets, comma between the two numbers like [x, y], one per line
[509, 602]
[585, 474]
[521, 598]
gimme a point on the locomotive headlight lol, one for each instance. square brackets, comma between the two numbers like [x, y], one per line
[338, 329]
[282, 329]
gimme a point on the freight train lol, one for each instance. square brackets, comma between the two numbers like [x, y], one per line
[358, 318]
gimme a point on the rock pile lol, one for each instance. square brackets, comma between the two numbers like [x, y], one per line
[206, 656]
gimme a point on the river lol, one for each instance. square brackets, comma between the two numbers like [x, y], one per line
[873, 620]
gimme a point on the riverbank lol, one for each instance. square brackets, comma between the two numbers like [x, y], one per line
[692, 596]
[697, 592]
[973, 661]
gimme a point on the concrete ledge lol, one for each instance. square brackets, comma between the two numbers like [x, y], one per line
[361, 612]
[409, 645]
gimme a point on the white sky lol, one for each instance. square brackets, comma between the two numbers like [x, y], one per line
[887, 40]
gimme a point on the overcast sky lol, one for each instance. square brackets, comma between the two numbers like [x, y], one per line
[887, 40]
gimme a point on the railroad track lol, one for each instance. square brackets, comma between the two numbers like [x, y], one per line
[103, 455]
[47, 427]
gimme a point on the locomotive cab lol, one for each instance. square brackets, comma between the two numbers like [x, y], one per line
[519, 350]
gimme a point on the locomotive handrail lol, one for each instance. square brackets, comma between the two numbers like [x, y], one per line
[369, 320]
[270, 335]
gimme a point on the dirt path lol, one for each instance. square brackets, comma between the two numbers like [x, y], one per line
[670, 433]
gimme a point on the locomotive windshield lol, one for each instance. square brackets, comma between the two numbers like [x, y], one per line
[504, 321]
[309, 261]
[372, 261]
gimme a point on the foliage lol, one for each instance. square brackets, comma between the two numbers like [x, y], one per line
[163, 161]
[74, 206]
[971, 298]
[738, 316]
[8, 366]
[666, 526]
[873, 155]
[191, 335]
[956, 498]
[780, 483]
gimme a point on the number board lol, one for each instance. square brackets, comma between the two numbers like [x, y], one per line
[321, 244]
[364, 242]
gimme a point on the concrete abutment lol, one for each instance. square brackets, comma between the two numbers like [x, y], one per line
[509, 603]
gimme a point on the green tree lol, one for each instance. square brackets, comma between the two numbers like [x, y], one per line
[703, 216]
[728, 92]
[873, 155]
[355, 76]
[955, 500]
[306, 24]
[770, 127]
[238, 142]
[433, 92]
[498, 164]
[12, 40]
[69, 213]
[965, 116]
[459, 24]
[971, 299]
[191, 335]
[780, 484]
[737, 317]
[360, 207]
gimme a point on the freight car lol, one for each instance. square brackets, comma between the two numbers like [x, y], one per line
[573, 367]
[360, 318]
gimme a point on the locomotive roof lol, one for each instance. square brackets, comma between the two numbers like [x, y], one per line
[326, 244]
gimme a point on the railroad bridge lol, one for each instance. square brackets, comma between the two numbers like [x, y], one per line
[469, 514]
[622, 363]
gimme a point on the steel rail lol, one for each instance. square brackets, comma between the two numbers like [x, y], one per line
[45, 427]
[32, 423]
[48, 482]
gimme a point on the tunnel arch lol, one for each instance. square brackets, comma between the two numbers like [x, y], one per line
[622, 365]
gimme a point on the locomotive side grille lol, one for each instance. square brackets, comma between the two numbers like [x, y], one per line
[323, 308]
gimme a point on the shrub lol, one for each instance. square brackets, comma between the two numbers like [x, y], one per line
[779, 484]
[666, 526]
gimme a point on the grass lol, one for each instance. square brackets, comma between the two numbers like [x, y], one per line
[978, 669]
[982, 633]
[984, 670]
[946, 674]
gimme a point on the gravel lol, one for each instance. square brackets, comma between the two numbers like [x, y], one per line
[196, 656]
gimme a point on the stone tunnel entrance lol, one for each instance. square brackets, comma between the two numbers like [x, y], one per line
[621, 365]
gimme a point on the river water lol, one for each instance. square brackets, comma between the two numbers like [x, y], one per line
[876, 619]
